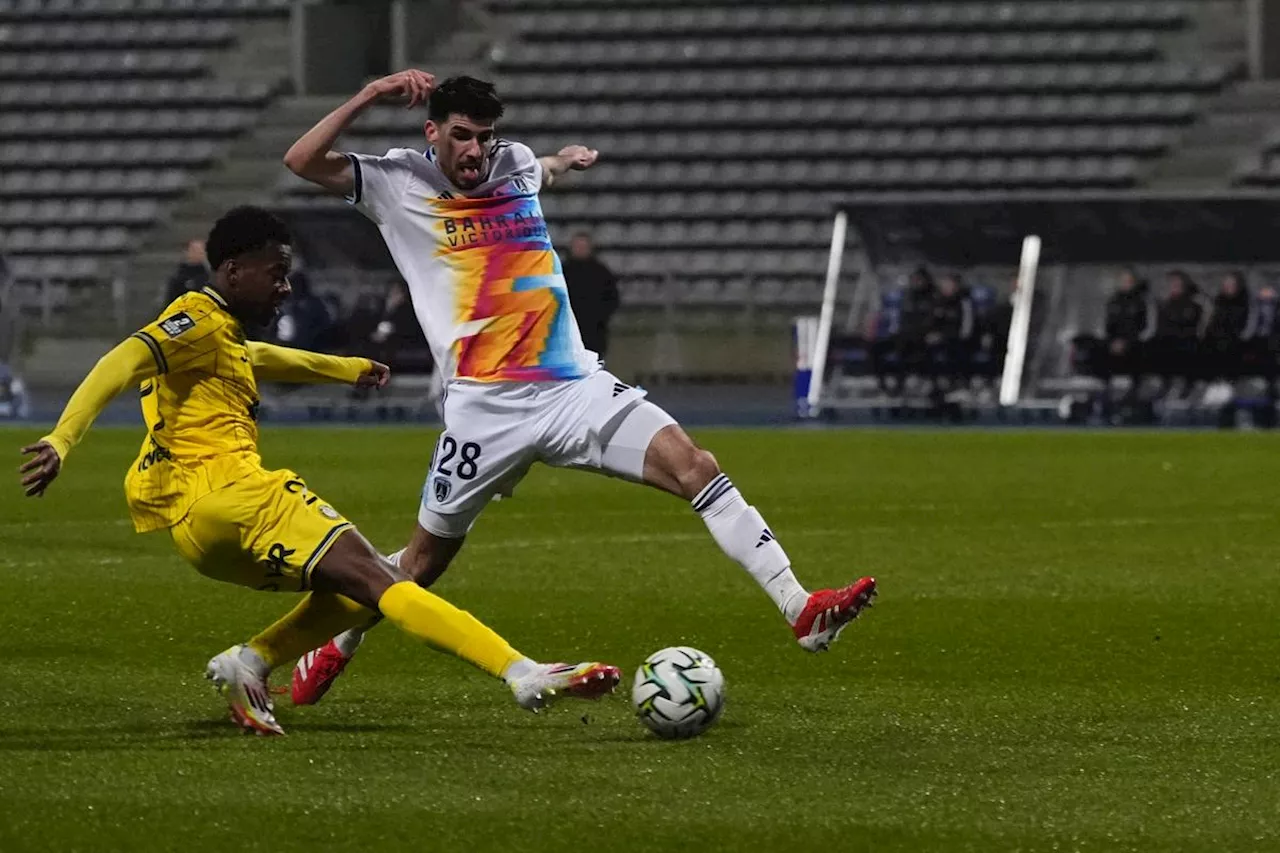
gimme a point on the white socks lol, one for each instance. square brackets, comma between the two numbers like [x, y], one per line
[349, 640]
[519, 669]
[254, 661]
[742, 534]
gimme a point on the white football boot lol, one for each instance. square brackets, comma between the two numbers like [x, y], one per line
[551, 681]
[246, 691]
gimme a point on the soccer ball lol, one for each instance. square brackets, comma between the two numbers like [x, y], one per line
[678, 692]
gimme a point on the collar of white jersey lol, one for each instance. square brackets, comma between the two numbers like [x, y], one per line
[432, 158]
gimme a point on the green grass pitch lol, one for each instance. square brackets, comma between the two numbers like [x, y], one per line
[1075, 648]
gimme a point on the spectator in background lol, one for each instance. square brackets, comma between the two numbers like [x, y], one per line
[1261, 349]
[1130, 324]
[915, 322]
[1229, 325]
[191, 274]
[304, 318]
[1178, 328]
[950, 332]
[397, 336]
[593, 293]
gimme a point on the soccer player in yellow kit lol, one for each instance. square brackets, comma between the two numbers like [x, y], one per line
[199, 476]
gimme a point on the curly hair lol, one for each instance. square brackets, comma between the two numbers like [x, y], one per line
[475, 99]
[242, 230]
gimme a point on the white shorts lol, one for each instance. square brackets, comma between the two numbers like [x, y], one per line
[494, 432]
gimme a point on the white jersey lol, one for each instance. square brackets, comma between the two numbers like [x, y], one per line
[485, 281]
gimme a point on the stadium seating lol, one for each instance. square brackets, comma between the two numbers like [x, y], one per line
[1263, 169]
[725, 129]
[107, 109]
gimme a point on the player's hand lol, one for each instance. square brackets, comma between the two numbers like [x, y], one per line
[377, 376]
[579, 157]
[39, 472]
[413, 85]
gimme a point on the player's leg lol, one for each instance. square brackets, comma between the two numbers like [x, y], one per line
[209, 539]
[673, 462]
[488, 452]
[424, 559]
[353, 568]
[636, 440]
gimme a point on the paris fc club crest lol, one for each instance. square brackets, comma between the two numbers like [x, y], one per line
[443, 489]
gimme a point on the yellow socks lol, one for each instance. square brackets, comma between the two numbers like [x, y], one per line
[434, 620]
[321, 616]
[318, 618]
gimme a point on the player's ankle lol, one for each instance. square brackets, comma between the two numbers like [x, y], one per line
[794, 605]
[348, 641]
[518, 669]
[251, 658]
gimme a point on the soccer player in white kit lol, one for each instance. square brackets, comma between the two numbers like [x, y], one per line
[463, 223]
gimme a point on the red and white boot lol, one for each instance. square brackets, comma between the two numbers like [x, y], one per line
[828, 611]
[315, 673]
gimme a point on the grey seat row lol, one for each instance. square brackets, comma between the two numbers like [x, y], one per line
[641, 289]
[833, 112]
[871, 142]
[849, 50]
[101, 64]
[47, 267]
[810, 204]
[118, 153]
[126, 93]
[845, 174]
[66, 212]
[707, 233]
[746, 19]
[883, 80]
[696, 262]
[97, 35]
[26, 10]
[19, 241]
[136, 123]
[44, 183]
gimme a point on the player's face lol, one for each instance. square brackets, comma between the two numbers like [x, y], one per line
[462, 148]
[258, 283]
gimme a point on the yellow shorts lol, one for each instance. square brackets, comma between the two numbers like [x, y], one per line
[264, 531]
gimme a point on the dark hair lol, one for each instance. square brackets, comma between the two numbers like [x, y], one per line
[1188, 283]
[242, 230]
[475, 99]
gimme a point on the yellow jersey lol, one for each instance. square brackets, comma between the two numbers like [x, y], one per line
[198, 380]
[201, 410]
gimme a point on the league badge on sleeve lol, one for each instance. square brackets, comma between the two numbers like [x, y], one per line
[177, 324]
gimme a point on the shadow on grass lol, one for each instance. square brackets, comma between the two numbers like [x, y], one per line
[112, 737]
[106, 738]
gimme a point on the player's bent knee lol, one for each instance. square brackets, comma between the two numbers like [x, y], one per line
[701, 469]
[352, 567]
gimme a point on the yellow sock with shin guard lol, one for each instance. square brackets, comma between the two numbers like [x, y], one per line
[318, 618]
[432, 619]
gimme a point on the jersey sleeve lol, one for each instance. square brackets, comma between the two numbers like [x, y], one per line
[379, 182]
[186, 336]
[124, 366]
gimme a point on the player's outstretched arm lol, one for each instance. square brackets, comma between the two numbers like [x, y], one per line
[273, 363]
[575, 158]
[124, 367]
[312, 157]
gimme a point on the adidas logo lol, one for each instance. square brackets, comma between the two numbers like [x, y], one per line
[765, 537]
[619, 387]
